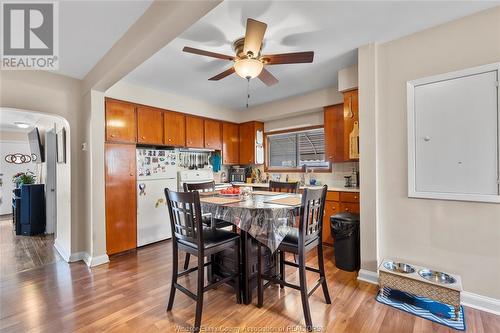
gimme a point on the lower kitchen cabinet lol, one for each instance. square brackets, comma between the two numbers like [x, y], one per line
[331, 208]
[120, 197]
[337, 202]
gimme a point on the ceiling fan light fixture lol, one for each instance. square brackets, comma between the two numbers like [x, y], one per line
[248, 68]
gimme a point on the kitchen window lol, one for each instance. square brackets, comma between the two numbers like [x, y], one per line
[297, 149]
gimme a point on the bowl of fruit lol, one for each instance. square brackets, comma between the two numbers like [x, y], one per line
[230, 191]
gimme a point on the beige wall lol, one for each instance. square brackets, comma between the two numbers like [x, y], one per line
[368, 166]
[13, 136]
[454, 236]
[303, 120]
[293, 106]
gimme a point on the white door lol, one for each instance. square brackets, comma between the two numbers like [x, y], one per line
[153, 221]
[50, 182]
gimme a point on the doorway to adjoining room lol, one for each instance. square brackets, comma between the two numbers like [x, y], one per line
[34, 180]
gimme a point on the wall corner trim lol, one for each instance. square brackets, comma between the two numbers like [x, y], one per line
[64, 254]
[368, 276]
[95, 261]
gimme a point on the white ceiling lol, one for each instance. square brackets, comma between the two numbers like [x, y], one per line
[9, 116]
[333, 30]
[88, 29]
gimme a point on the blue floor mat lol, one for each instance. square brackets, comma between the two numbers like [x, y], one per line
[423, 307]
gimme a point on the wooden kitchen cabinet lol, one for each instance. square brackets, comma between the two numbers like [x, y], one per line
[213, 134]
[194, 132]
[174, 125]
[334, 132]
[230, 143]
[120, 197]
[351, 121]
[338, 202]
[349, 207]
[149, 125]
[331, 208]
[120, 121]
[248, 137]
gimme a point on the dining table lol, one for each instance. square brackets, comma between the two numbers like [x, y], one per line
[260, 216]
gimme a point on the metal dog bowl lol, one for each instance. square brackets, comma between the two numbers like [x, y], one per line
[437, 277]
[399, 267]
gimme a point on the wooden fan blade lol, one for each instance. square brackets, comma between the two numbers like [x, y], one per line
[254, 36]
[288, 58]
[223, 74]
[207, 53]
[268, 78]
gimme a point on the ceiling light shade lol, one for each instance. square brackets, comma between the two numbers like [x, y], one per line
[248, 68]
[21, 124]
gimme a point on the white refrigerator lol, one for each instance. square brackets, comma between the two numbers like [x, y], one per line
[156, 170]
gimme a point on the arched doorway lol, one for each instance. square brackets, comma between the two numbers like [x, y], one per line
[36, 145]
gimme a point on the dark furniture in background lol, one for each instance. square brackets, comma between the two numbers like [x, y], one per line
[285, 187]
[28, 209]
[300, 241]
[190, 236]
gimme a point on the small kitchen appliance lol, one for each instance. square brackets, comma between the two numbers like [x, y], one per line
[237, 174]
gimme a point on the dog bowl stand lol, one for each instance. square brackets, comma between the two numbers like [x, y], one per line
[414, 284]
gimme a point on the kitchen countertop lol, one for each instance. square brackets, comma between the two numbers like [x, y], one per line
[330, 188]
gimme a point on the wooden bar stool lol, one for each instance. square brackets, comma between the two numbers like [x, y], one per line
[299, 241]
[285, 187]
[190, 236]
[206, 219]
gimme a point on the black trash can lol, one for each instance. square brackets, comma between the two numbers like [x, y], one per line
[345, 231]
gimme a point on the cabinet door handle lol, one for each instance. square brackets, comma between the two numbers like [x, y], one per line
[169, 139]
[131, 174]
[143, 137]
[112, 135]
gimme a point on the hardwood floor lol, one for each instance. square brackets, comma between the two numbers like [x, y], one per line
[19, 253]
[130, 293]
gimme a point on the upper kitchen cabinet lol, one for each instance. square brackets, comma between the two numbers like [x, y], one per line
[252, 143]
[334, 133]
[213, 134]
[149, 125]
[120, 121]
[230, 143]
[194, 132]
[351, 126]
[174, 125]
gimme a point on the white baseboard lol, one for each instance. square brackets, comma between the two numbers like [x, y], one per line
[480, 302]
[98, 260]
[368, 276]
[77, 256]
[64, 254]
[89, 260]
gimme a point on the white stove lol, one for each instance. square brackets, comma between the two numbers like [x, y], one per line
[194, 177]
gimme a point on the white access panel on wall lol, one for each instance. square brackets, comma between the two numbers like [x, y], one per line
[453, 136]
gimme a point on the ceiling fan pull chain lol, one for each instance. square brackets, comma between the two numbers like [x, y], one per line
[248, 90]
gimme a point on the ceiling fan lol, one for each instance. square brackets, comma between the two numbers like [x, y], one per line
[248, 61]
